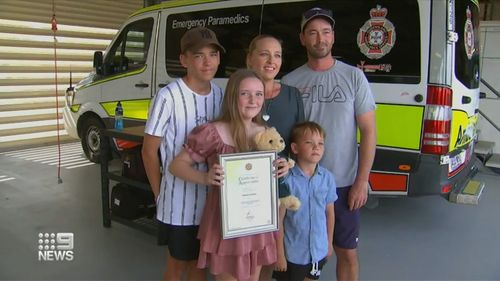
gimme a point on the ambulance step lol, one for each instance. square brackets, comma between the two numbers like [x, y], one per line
[493, 161]
[468, 194]
[484, 147]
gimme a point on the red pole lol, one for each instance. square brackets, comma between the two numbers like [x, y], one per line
[54, 29]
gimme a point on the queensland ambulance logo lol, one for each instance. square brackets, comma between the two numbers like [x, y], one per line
[469, 35]
[378, 35]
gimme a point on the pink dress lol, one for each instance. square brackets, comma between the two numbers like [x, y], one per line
[237, 256]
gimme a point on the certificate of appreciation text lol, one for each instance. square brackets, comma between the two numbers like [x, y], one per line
[248, 194]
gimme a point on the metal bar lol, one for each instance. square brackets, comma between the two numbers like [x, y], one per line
[490, 87]
[106, 212]
[489, 120]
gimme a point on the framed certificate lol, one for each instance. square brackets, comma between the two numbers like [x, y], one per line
[249, 194]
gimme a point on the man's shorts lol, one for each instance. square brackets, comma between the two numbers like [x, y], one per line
[347, 223]
[297, 272]
[182, 241]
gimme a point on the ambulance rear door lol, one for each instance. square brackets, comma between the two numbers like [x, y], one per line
[466, 76]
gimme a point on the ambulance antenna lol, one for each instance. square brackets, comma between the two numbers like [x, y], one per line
[261, 15]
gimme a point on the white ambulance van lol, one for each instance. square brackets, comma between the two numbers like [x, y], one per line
[421, 58]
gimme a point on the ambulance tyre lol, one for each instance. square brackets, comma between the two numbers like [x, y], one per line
[91, 141]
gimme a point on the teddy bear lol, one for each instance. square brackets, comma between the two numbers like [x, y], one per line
[269, 140]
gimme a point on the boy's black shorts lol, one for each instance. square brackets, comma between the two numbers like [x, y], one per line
[182, 241]
[297, 272]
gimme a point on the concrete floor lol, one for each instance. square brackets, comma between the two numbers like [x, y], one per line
[424, 238]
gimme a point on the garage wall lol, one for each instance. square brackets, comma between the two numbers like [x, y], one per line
[490, 10]
[28, 114]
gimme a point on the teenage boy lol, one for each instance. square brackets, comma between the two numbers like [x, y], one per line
[308, 232]
[177, 108]
[338, 97]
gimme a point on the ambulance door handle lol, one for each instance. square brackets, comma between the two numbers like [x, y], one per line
[466, 100]
[142, 85]
[161, 85]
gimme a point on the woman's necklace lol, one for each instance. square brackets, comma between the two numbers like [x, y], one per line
[266, 115]
[268, 103]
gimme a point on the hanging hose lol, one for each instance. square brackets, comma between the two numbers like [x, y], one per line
[54, 29]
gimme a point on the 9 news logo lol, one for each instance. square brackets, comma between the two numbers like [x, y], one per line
[55, 246]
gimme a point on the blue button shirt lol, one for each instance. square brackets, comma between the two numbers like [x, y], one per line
[306, 236]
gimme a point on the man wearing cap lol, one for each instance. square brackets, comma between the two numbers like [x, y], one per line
[177, 108]
[338, 97]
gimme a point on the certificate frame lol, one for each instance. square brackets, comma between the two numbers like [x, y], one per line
[249, 194]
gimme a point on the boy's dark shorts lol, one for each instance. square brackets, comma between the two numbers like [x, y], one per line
[182, 241]
[297, 272]
[347, 223]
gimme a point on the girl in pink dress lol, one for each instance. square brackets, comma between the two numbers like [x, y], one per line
[240, 120]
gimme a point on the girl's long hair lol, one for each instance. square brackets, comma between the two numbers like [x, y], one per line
[230, 113]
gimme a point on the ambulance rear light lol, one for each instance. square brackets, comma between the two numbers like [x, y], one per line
[438, 95]
[437, 121]
[437, 112]
[446, 189]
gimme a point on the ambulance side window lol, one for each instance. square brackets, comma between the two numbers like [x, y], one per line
[384, 43]
[130, 50]
[283, 21]
[235, 27]
[467, 46]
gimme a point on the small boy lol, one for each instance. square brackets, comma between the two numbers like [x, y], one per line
[177, 108]
[306, 244]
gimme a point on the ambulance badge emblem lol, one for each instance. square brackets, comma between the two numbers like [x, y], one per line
[378, 35]
[469, 35]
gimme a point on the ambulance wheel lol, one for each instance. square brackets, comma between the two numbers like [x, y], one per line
[91, 139]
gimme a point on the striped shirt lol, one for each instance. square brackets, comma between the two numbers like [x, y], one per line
[173, 113]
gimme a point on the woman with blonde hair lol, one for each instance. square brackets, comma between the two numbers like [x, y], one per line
[283, 106]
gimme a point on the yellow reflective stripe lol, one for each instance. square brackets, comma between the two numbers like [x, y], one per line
[463, 129]
[125, 74]
[171, 4]
[109, 107]
[399, 126]
[134, 109]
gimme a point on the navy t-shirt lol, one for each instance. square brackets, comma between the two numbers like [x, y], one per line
[284, 111]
